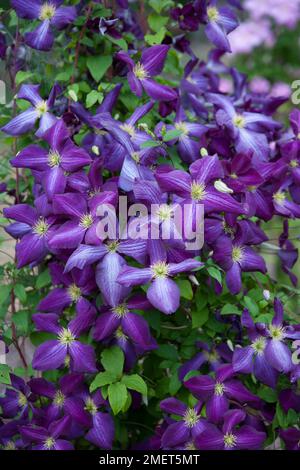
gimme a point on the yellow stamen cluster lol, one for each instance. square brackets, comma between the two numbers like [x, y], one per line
[74, 292]
[191, 418]
[47, 11]
[237, 254]
[22, 400]
[129, 129]
[120, 310]
[66, 336]
[230, 440]
[164, 212]
[49, 443]
[182, 127]
[212, 14]
[279, 197]
[90, 406]
[40, 227]
[160, 269]
[197, 191]
[54, 159]
[59, 399]
[259, 345]
[239, 121]
[276, 332]
[219, 389]
[41, 107]
[86, 220]
[140, 72]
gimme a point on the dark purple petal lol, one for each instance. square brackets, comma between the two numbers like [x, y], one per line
[22, 123]
[216, 406]
[173, 406]
[102, 432]
[279, 355]
[49, 355]
[82, 357]
[175, 434]
[41, 38]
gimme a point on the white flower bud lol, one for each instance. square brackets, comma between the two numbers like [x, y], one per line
[222, 187]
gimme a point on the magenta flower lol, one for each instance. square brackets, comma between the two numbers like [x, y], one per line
[49, 438]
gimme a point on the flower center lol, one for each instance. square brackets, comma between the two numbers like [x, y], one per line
[120, 310]
[219, 389]
[230, 440]
[227, 229]
[49, 443]
[294, 164]
[213, 14]
[160, 269]
[237, 254]
[66, 336]
[259, 345]
[251, 188]
[47, 11]
[129, 129]
[74, 292]
[239, 121]
[10, 445]
[191, 418]
[190, 446]
[140, 72]
[276, 332]
[86, 220]
[40, 227]
[234, 176]
[136, 157]
[279, 197]
[164, 212]
[59, 399]
[53, 159]
[90, 406]
[112, 246]
[119, 334]
[41, 107]
[182, 127]
[197, 191]
[22, 400]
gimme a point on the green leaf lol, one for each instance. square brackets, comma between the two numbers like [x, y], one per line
[23, 76]
[20, 292]
[92, 98]
[185, 288]
[4, 374]
[4, 293]
[199, 317]
[43, 279]
[251, 305]
[135, 382]
[156, 22]
[113, 360]
[98, 66]
[230, 309]
[167, 351]
[157, 38]
[173, 134]
[117, 396]
[175, 383]
[118, 42]
[21, 320]
[149, 144]
[103, 378]
[160, 5]
[215, 273]
[268, 394]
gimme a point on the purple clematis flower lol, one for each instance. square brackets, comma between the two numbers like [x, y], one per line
[230, 437]
[51, 14]
[182, 433]
[38, 111]
[188, 147]
[163, 292]
[291, 438]
[102, 429]
[66, 349]
[268, 353]
[186, 16]
[134, 326]
[83, 222]
[34, 231]
[17, 399]
[219, 22]
[218, 392]
[140, 74]
[235, 257]
[63, 156]
[76, 286]
[214, 356]
[65, 398]
[110, 264]
[48, 438]
[197, 187]
[248, 129]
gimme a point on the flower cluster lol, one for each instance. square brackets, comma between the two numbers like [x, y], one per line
[185, 144]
